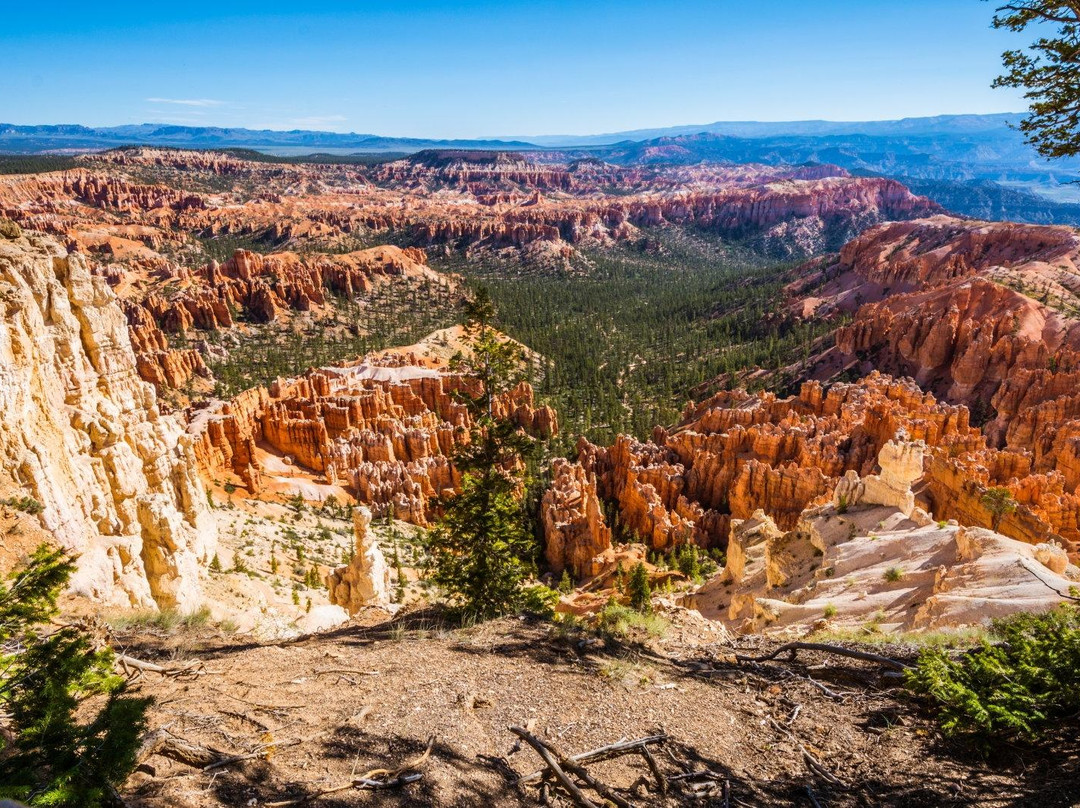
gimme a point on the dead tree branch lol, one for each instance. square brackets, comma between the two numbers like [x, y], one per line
[827, 648]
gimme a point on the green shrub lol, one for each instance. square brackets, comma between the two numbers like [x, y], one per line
[829, 611]
[25, 504]
[1021, 686]
[619, 620]
[62, 750]
[166, 620]
[539, 600]
[893, 574]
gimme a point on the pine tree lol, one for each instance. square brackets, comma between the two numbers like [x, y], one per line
[59, 753]
[620, 577]
[1000, 502]
[689, 561]
[215, 564]
[639, 590]
[399, 573]
[566, 583]
[482, 549]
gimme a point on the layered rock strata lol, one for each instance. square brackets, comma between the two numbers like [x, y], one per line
[736, 453]
[383, 429]
[82, 434]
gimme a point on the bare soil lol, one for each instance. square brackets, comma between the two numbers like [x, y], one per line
[320, 710]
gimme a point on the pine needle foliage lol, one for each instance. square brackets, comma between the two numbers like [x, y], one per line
[482, 550]
[1020, 686]
[638, 589]
[1048, 71]
[74, 732]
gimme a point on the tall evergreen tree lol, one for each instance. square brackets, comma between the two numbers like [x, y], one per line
[638, 589]
[482, 549]
[1048, 71]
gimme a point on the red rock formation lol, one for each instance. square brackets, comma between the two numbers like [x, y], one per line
[496, 202]
[575, 531]
[264, 287]
[966, 308]
[736, 453]
[385, 432]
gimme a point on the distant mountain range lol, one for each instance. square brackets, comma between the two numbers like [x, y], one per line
[954, 125]
[976, 165]
[76, 138]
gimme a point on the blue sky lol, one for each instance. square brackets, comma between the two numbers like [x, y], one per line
[472, 67]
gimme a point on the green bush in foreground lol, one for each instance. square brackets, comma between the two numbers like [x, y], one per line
[1020, 686]
[64, 751]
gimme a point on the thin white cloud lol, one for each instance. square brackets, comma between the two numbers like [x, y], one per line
[188, 102]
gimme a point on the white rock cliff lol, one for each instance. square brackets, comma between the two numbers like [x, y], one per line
[81, 433]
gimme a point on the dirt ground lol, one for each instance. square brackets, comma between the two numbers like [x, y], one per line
[318, 711]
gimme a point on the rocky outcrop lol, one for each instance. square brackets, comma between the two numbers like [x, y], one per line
[976, 312]
[264, 288]
[901, 463]
[869, 442]
[735, 454]
[575, 530]
[383, 428]
[868, 564]
[366, 579]
[83, 435]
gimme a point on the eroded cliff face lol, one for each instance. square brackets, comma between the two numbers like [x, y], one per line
[81, 433]
[976, 312]
[871, 554]
[735, 454]
[542, 210]
[383, 429]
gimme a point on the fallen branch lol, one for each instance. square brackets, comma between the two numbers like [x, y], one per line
[576, 794]
[172, 671]
[582, 774]
[259, 751]
[602, 753]
[164, 743]
[827, 648]
[654, 767]
[368, 782]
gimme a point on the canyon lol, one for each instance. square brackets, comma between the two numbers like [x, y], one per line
[122, 206]
[960, 334]
[981, 319]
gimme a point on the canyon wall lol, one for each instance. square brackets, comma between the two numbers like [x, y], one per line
[486, 201]
[985, 320]
[83, 435]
